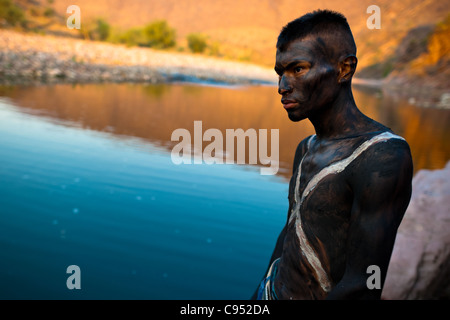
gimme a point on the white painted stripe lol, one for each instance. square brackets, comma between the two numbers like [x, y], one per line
[340, 166]
[297, 182]
[312, 257]
[334, 168]
[267, 288]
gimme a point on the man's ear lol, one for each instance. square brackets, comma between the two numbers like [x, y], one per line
[347, 68]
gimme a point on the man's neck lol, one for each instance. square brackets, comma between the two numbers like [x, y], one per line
[341, 118]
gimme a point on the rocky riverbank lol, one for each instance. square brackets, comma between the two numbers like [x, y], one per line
[424, 92]
[37, 58]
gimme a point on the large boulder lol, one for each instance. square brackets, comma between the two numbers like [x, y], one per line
[420, 262]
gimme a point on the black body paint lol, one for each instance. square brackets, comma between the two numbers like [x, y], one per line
[349, 220]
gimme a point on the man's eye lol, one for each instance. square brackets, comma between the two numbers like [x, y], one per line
[298, 69]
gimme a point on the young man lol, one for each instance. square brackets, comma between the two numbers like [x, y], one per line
[351, 181]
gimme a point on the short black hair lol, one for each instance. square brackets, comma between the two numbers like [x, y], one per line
[315, 23]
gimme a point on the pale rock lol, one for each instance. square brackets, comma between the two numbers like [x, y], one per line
[420, 262]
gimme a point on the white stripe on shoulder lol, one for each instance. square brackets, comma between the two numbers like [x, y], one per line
[340, 166]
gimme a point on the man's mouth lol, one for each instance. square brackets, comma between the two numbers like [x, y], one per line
[289, 104]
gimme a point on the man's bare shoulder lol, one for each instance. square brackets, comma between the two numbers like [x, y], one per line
[386, 159]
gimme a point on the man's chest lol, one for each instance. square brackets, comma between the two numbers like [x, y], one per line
[321, 162]
[327, 195]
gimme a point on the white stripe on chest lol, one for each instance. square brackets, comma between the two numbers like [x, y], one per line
[334, 168]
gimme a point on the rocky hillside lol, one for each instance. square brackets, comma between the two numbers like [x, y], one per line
[423, 52]
[247, 29]
[410, 52]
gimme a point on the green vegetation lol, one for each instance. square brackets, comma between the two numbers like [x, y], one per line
[444, 24]
[131, 37]
[98, 30]
[11, 14]
[197, 42]
[38, 16]
[158, 35]
[387, 68]
[49, 12]
[103, 30]
[214, 49]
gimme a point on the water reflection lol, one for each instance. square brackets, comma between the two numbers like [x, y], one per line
[87, 180]
[138, 226]
[152, 112]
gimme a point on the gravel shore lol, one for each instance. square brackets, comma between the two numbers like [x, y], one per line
[37, 58]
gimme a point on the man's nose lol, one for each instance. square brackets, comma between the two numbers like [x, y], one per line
[284, 86]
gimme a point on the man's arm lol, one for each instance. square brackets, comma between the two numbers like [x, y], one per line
[299, 153]
[381, 182]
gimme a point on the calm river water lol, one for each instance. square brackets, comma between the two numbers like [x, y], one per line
[87, 179]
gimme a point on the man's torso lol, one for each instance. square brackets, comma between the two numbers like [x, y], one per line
[320, 204]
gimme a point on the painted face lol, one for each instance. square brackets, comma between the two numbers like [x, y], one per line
[308, 77]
